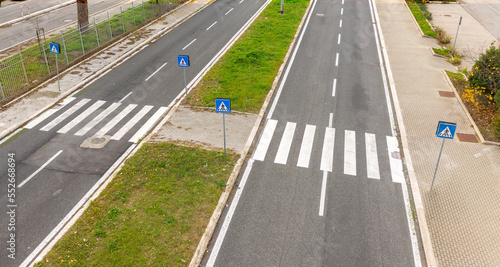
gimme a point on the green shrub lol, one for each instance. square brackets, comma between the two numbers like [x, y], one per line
[485, 73]
[496, 120]
[455, 60]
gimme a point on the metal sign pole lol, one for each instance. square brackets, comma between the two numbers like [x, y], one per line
[437, 164]
[185, 85]
[57, 68]
[456, 36]
[282, 7]
[224, 125]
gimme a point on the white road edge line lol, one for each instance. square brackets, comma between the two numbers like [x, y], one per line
[292, 59]
[39, 169]
[229, 216]
[428, 250]
[125, 97]
[75, 209]
[229, 11]
[211, 26]
[189, 44]
[156, 71]
[323, 194]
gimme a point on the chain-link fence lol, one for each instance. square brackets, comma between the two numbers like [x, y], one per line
[31, 66]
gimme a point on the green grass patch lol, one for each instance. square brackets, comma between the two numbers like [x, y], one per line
[246, 73]
[153, 213]
[456, 75]
[442, 51]
[422, 22]
[423, 7]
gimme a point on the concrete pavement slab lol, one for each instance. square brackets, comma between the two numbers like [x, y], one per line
[463, 209]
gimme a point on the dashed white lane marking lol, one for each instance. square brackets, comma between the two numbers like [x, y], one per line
[306, 147]
[229, 11]
[125, 97]
[340, 24]
[337, 60]
[97, 119]
[372, 168]
[188, 44]
[338, 39]
[395, 160]
[118, 135]
[342, 11]
[156, 71]
[39, 169]
[265, 140]
[81, 117]
[112, 123]
[65, 115]
[148, 125]
[350, 153]
[323, 194]
[334, 90]
[285, 144]
[327, 153]
[211, 26]
[241, 1]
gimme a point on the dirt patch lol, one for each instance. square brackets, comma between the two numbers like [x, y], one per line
[46, 94]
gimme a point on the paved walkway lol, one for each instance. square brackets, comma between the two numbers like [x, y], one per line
[472, 38]
[463, 209]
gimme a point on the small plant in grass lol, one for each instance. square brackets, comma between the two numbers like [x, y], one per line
[455, 60]
[442, 51]
[442, 36]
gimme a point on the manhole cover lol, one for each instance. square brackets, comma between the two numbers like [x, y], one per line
[95, 142]
[446, 94]
[470, 138]
[448, 16]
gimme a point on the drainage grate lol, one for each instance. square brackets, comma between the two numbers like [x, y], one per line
[471, 138]
[446, 94]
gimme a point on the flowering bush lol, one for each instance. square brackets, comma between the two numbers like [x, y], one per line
[485, 74]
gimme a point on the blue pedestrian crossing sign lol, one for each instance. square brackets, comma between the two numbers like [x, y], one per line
[223, 105]
[446, 129]
[55, 48]
[183, 61]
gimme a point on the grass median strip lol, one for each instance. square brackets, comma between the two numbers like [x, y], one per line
[152, 214]
[422, 22]
[246, 72]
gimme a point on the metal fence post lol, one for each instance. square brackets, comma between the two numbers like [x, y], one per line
[1, 90]
[45, 56]
[143, 11]
[24, 68]
[96, 34]
[81, 39]
[110, 31]
[123, 25]
[133, 13]
[65, 51]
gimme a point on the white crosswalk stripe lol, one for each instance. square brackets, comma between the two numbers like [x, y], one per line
[265, 140]
[352, 153]
[327, 154]
[65, 115]
[306, 147]
[285, 144]
[112, 123]
[96, 121]
[81, 117]
[371, 157]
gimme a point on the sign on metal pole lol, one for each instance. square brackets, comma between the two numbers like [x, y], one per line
[183, 62]
[223, 105]
[55, 48]
[445, 130]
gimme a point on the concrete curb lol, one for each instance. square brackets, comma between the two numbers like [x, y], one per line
[436, 55]
[202, 246]
[420, 209]
[466, 111]
[37, 13]
[95, 75]
[414, 20]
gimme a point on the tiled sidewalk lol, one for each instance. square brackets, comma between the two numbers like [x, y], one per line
[463, 209]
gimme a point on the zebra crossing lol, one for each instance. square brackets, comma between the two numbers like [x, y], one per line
[351, 152]
[104, 122]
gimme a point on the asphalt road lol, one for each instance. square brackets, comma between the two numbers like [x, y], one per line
[324, 184]
[54, 172]
[486, 12]
[17, 9]
[25, 30]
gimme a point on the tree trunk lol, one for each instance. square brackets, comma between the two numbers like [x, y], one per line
[83, 14]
